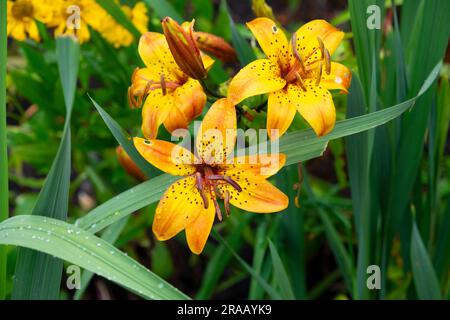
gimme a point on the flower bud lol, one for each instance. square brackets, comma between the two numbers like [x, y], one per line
[262, 9]
[184, 48]
[216, 46]
[128, 164]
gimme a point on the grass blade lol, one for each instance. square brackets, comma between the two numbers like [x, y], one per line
[67, 242]
[256, 292]
[243, 49]
[263, 283]
[220, 260]
[425, 280]
[4, 193]
[110, 235]
[280, 274]
[126, 142]
[164, 9]
[37, 275]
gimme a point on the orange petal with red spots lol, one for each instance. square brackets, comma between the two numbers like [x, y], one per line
[166, 156]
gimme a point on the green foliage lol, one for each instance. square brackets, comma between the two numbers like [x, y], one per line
[379, 196]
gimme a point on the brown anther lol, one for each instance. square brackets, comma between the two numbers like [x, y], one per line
[296, 53]
[218, 212]
[319, 75]
[300, 81]
[227, 179]
[327, 62]
[226, 202]
[322, 47]
[163, 85]
[199, 186]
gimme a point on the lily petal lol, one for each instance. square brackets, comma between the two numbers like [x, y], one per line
[257, 195]
[166, 156]
[175, 120]
[198, 231]
[155, 53]
[281, 109]
[156, 108]
[263, 165]
[217, 134]
[258, 77]
[179, 207]
[316, 107]
[190, 99]
[307, 43]
[272, 40]
[339, 78]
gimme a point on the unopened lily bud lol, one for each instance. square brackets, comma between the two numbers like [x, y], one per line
[128, 164]
[184, 48]
[216, 46]
[262, 9]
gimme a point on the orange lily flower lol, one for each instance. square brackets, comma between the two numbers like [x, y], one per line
[191, 202]
[297, 77]
[172, 97]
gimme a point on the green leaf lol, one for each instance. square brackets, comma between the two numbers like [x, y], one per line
[260, 248]
[244, 51]
[164, 9]
[114, 10]
[110, 235]
[126, 142]
[4, 193]
[220, 259]
[84, 249]
[280, 274]
[263, 283]
[425, 280]
[37, 275]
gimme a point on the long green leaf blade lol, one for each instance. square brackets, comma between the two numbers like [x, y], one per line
[37, 275]
[84, 249]
[281, 276]
[427, 285]
[4, 193]
[126, 142]
[164, 9]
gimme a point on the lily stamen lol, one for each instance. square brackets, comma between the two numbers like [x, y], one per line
[199, 186]
[327, 62]
[163, 85]
[319, 75]
[300, 81]
[227, 179]
[226, 202]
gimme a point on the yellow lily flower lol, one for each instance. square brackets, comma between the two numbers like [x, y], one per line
[173, 98]
[191, 202]
[297, 76]
[20, 17]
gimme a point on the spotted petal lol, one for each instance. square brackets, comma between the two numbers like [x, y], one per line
[339, 78]
[166, 156]
[307, 43]
[180, 207]
[316, 107]
[272, 41]
[263, 165]
[257, 195]
[281, 109]
[217, 134]
[258, 77]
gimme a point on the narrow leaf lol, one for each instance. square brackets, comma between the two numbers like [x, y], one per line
[281, 276]
[84, 249]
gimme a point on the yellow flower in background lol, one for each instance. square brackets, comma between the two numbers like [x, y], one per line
[119, 36]
[297, 76]
[190, 203]
[73, 17]
[21, 15]
[172, 97]
[139, 17]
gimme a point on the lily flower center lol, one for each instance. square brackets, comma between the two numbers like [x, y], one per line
[22, 9]
[303, 69]
[208, 179]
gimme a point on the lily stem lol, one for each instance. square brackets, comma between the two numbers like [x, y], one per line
[208, 90]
